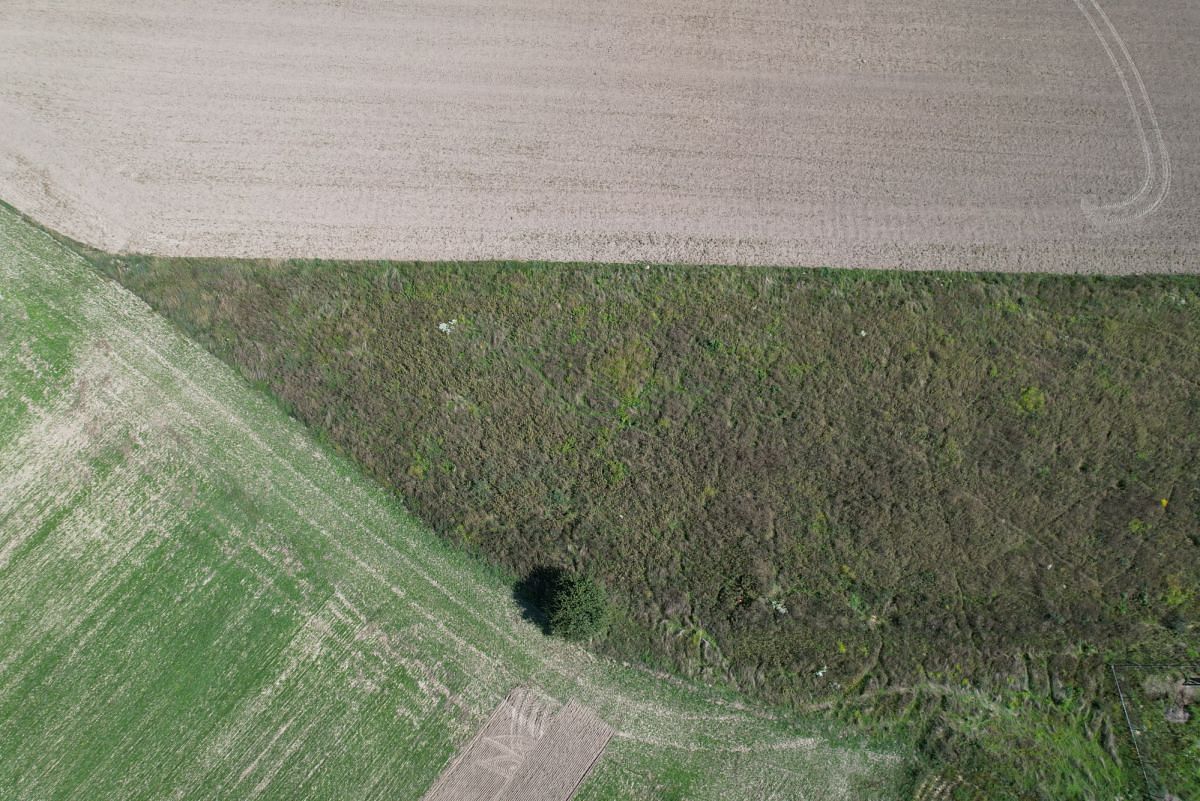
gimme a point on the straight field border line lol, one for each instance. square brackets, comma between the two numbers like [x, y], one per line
[1114, 667]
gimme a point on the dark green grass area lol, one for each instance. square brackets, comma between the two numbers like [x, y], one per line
[809, 484]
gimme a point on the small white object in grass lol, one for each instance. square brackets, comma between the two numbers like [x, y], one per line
[821, 672]
[447, 327]
[862, 333]
[779, 607]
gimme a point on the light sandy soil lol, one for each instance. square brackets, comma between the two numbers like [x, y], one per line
[529, 750]
[1029, 135]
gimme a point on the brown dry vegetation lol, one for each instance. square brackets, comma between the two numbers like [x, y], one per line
[938, 477]
[934, 503]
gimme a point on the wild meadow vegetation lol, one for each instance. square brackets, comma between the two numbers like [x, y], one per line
[931, 503]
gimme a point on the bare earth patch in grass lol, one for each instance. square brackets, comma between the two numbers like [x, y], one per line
[531, 749]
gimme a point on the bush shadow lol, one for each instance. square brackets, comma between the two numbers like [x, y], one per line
[534, 593]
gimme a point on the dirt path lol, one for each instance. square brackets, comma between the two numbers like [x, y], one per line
[1050, 135]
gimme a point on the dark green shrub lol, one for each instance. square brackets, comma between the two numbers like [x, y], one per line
[578, 608]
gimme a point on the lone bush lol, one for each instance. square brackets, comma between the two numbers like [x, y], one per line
[578, 608]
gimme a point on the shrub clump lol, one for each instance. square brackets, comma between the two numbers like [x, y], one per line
[1033, 400]
[577, 608]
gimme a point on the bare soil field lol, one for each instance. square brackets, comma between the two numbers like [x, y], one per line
[1055, 135]
[527, 751]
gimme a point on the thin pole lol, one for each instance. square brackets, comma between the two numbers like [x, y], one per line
[1132, 734]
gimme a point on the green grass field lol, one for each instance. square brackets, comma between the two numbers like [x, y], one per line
[199, 601]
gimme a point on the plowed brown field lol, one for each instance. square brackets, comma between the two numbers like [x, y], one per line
[1050, 135]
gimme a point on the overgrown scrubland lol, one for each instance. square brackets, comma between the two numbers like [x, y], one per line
[812, 484]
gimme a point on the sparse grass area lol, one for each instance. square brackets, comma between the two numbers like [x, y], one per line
[810, 484]
[199, 601]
